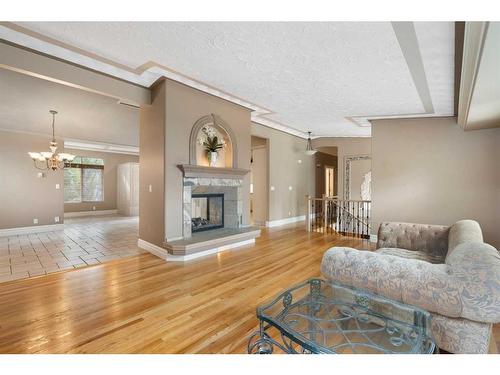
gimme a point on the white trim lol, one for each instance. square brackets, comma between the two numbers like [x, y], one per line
[163, 253]
[174, 239]
[33, 229]
[257, 223]
[288, 220]
[153, 249]
[90, 213]
[373, 238]
[473, 44]
[77, 144]
[184, 258]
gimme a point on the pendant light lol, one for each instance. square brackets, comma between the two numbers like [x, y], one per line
[309, 149]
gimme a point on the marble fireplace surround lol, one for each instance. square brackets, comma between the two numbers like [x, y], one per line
[200, 179]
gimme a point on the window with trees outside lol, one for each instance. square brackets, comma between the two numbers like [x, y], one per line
[84, 180]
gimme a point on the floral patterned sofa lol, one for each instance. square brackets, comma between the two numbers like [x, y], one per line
[448, 271]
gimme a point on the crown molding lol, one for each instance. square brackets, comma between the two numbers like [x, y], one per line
[112, 148]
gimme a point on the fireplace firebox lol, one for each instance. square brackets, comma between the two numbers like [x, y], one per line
[207, 212]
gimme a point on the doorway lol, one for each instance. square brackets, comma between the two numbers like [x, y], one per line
[259, 177]
[326, 172]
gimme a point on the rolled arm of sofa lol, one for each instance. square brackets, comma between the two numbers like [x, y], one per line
[418, 283]
[475, 268]
[432, 239]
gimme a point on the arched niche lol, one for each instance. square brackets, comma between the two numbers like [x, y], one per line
[227, 156]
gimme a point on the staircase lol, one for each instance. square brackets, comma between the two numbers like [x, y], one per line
[339, 216]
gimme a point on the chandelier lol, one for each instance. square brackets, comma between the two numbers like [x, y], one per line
[50, 159]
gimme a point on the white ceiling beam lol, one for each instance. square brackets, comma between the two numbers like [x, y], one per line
[407, 39]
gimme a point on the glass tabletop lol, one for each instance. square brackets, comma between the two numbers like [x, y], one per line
[322, 317]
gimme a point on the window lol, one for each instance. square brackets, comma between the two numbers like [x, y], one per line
[329, 182]
[84, 180]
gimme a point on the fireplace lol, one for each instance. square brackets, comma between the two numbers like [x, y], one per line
[205, 182]
[207, 212]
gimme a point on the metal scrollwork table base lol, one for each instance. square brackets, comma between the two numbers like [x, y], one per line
[322, 317]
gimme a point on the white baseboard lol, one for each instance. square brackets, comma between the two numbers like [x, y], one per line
[288, 220]
[90, 213]
[184, 258]
[33, 229]
[373, 238]
[153, 249]
[163, 253]
[258, 223]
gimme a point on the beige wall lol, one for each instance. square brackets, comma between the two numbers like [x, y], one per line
[285, 151]
[152, 167]
[346, 146]
[431, 171]
[111, 162]
[24, 196]
[184, 106]
[259, 177]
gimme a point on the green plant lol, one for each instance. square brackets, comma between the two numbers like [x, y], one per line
[212, 144]
[210, 140]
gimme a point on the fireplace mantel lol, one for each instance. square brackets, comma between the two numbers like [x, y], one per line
[193, 171]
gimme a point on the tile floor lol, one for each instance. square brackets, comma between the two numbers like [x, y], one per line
[83, 242]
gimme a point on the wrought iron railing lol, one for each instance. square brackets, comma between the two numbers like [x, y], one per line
[342, 216]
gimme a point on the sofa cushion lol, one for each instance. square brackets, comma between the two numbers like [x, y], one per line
[432, 239]
[411, 254]
[463, 231]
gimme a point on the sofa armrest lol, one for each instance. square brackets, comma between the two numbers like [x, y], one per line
[411, 281]
[475, 267]
[432, 239]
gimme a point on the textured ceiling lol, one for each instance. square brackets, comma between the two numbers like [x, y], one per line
[25, 102]
[323, 77]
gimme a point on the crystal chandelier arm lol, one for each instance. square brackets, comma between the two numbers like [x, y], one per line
[66, 157]
[41, 164]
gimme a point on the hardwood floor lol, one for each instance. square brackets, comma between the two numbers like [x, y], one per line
[143, 304]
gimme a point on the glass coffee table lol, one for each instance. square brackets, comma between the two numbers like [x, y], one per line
[322, 317]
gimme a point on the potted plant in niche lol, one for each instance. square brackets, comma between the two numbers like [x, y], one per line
[212, 143]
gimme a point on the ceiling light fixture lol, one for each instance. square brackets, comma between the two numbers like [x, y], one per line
[309, 148]
[49, 159]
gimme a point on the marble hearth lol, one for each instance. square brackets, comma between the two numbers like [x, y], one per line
[211, 180]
